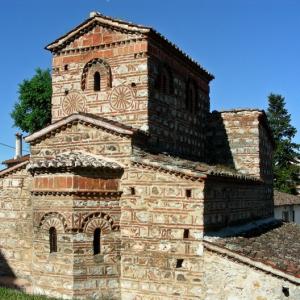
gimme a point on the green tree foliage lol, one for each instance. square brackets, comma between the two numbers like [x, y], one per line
[286, 151]
[32, 112]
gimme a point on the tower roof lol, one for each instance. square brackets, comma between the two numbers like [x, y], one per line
[97, 18]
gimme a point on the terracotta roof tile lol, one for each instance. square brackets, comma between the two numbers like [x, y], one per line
[72, 160]
[281, 199]
[187, 167]
[276, 244]
[16, 160]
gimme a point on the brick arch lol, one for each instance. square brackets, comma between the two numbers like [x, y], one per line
[98, 220]
[53, 219]
[191, 90]
[165, 70]
[105, 71]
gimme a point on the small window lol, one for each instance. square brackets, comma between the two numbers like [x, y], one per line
[96, 242]
[293, 216]
[188, 193]
[53, 239]
[97, 80]
[132, 190]
[186, 233]
[163, 81]
[191, 98]
[179, 263]
[66, 67]
[285, 216]
[285, 291]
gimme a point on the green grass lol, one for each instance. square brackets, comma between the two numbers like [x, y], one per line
[8, 294]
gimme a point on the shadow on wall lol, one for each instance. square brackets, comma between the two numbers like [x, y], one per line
[233, 202]
[7, 276]
[5, 269]
[218, 149]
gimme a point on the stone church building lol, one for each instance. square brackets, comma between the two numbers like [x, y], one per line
[136, 190]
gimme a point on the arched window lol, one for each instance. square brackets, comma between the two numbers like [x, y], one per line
[96, 242]
[164, 80]
[53, 239]
[97, 80]
[191, 98]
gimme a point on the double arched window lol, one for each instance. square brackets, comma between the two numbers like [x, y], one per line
[53, 239]
[96, 241]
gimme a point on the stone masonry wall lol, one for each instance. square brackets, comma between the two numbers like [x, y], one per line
[129, 69]
[226, 279]
[74, 269]
[265, 155]
[176, 121]
[120, 59]
[239, 139]
[161, 232]
[78, 204]
[229, 201]
[86, 138]
[15, 225]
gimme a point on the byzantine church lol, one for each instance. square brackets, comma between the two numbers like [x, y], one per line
[136, 190]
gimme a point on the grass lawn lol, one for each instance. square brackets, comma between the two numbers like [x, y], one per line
[8, 294]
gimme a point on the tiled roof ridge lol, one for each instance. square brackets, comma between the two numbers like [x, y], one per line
[13, 169]
[72, 160]
[204, 170]
[281, 198]
[15, 160]
[97, 121]
[239, 109]
[268, 268]
[156, 166]
[134, 27]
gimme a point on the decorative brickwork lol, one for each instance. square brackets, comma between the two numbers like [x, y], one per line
[132, 173]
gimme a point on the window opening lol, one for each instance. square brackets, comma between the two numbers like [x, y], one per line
[53, 239]
[97, 80]
[96, 242]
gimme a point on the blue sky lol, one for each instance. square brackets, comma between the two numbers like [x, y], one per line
[251, 46]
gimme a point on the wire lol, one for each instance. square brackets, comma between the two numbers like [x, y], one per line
[7, 146]
[11, 147]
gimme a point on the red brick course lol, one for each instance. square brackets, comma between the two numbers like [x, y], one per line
[74, 183]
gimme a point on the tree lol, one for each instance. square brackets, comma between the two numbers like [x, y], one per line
[286, 151]
[32, 112]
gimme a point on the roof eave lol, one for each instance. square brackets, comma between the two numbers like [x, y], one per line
[77, 117]
[101, 19]
[13, 168]
[156, 34]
